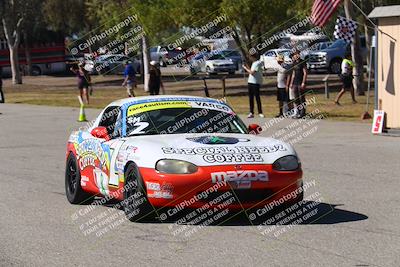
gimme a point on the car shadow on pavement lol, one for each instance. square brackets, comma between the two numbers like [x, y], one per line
[319, 213]
[310, 212]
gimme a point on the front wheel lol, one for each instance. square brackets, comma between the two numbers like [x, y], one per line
[135, 204]
[73, 189]
[335, 66]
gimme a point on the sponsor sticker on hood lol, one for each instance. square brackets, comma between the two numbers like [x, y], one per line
[217, 140]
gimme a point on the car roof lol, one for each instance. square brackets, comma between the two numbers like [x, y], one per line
[144, 99]
[277, 50]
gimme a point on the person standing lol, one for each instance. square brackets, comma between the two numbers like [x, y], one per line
[84, 80]
[155, 81]
[254, 83]
[129, 78]
[346, 77]
[1, 86]
[298, 85]
[282, 85]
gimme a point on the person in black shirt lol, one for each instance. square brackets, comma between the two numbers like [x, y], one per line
[1, 86]
[297, 85]
[155, 81]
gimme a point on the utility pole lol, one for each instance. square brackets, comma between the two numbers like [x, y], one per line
[356, 53]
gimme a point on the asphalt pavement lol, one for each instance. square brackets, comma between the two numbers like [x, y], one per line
[354, 188]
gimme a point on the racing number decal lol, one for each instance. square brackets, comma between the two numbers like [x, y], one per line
[114, 179]
[140, 125]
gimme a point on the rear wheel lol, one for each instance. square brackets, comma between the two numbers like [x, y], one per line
[36, 71]
[135, 204]
[73, 189]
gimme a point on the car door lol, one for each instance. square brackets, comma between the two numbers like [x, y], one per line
[270, 63]
[106, 175]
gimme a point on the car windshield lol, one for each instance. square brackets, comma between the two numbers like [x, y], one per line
[230, 53]
[183, 120]
[217, 56]
[338, 43]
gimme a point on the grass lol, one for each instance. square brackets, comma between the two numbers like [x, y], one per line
[61, 91]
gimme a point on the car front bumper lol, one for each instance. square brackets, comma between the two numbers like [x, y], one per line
[198, 190]
[317, 65]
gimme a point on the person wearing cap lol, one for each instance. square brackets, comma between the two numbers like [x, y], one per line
[346, 77]
[254, 83]
[282, 85]
[84, 79]
[129, 78]
[298, 85]
[155, 81]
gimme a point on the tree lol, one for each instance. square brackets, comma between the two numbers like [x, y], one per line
[32, 30]
[13, 14]
[65, 16]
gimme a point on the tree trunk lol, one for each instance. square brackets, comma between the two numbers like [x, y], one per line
[240, 46]
[356, 54]
[16, 74]
[13, 37]
[28, 55]
[145, 51]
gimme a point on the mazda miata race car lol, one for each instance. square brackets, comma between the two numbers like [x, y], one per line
[175, 153]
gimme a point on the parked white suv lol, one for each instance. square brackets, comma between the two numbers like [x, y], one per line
[269, 59]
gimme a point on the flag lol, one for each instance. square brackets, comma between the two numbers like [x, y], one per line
[345, 29]
[322, 10]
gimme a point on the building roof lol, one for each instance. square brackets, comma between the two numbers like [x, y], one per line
[385, 12]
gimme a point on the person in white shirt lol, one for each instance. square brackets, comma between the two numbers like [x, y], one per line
[282, 85]
[346, 76]
[254, 83]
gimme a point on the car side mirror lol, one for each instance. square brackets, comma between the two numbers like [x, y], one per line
[254, 129]
[100, 132]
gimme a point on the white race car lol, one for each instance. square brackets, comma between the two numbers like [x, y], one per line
[178, 152]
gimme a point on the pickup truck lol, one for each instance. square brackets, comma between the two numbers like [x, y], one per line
[330, 58]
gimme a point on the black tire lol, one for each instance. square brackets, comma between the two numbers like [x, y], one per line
[208, 70]
[73, 189]
[335, 66]
[135, 204]
[36, 71]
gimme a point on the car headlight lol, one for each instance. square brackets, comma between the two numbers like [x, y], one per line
[175, 166]
[287, 163]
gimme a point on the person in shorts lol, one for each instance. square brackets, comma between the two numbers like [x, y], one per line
[129, 78]
[298, 85]
[84, 80]
[346, 76]
[254, 83]
[282, 92]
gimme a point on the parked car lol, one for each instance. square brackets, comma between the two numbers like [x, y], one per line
[269, 59]
[212, 63]
[197, 63]
[330, 58]
[159, 54]
[111, 64]
[234, 55]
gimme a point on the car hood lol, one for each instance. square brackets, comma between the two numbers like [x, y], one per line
[318, 53]
[204, 149]
[220, 62]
